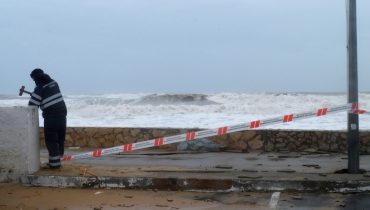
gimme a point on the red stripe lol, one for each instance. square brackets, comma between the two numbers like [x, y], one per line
[127, 147]
[285, 118]
[158, 141]
[97, 153]
[288, 118]
[359, 111]
[69, 157]
[354, 106]
[324, 111]
[222, 130]
[255, 124]
[291, 117]
[321, 112]
[190, 136]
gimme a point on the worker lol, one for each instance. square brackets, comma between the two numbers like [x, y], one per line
[48, 97]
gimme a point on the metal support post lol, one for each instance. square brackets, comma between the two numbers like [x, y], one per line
[353, 122]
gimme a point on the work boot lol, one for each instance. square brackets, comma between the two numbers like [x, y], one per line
[48, 166]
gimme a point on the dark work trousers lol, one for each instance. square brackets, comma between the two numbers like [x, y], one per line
[55, 132]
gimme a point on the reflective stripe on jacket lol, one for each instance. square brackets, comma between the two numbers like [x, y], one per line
[49, 98]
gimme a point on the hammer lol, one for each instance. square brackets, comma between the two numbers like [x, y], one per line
[22, 90]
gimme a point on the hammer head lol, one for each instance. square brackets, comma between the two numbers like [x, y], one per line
[21, 91]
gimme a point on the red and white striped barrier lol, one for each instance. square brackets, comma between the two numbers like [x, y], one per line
[214, 132]
[361, 111]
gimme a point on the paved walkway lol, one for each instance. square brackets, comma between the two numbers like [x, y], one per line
[244, 171]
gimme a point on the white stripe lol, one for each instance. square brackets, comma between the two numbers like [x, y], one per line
[50, 83]
[54, 157]
[36, 96]
[52, 103]
[55, 164]
[51, 98]
[35, 102]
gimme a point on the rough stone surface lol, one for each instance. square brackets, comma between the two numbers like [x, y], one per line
[19, 135]
[202, 145]
[267, 140]
[255, 144]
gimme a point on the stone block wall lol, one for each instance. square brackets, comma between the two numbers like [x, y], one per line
[244, 141]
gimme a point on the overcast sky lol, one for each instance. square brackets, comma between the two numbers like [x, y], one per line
[177, 46]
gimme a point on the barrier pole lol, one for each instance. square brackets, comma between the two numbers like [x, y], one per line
[352, 122]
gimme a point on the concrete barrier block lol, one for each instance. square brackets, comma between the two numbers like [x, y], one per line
[19, 142]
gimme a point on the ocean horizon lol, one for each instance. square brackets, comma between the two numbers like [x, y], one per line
[201, 110]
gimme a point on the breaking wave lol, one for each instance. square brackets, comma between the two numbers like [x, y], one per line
[200, 110]
[159, 99]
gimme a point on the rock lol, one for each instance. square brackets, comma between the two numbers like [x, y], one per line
[107, 144]
[126, 132]
[323, 145]
[80, 142]
[69, 141]
[134, 132]
[119, 138]
[235, 136]
[146, 137]
[223, 137]
[203, 145]
[157, 133]
[68, 137]
[102, 140]
[90, 132]
[248, 135]
[291, 147]
[255, 144]
[128, 139]
[117, 130]
[94, 143]
[243, 146]
[269, 147]
[281, 140]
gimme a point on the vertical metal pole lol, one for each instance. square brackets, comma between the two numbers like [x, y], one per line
[353, 126]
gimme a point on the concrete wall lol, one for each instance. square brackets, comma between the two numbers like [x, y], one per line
[263, 140]
[19, 142]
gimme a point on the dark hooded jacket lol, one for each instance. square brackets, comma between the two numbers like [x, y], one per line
[48, 97]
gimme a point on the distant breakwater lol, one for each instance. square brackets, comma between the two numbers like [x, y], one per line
[244, 141]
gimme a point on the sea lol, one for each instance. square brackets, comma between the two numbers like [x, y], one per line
[195, 110]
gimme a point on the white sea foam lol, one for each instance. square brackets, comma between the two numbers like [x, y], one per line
[201, 110]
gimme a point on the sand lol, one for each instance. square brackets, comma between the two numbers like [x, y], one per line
[15, 196]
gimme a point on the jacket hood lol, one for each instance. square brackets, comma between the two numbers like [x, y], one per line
[42, 79]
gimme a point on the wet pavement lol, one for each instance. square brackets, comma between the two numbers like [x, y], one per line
[304, 162]
[221, 171]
